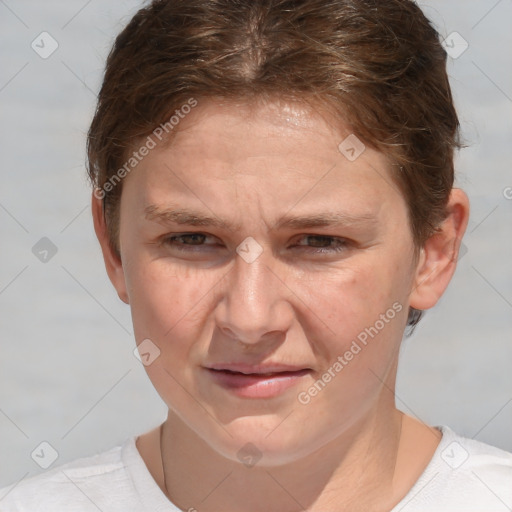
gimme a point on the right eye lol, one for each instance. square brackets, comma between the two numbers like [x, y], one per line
[189, 241]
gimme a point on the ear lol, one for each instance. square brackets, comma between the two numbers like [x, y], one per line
[438, 256]
[113, 262]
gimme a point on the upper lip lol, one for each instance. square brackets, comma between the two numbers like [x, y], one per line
[256, 368]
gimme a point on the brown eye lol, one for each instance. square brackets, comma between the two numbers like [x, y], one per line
[322, 243]
[190, 241]
[188, 238]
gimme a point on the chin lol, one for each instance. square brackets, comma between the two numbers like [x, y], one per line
[252, 442]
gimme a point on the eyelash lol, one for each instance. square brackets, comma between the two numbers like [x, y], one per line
[171, 240]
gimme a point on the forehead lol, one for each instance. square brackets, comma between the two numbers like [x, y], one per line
[259, 129]
[272, 154]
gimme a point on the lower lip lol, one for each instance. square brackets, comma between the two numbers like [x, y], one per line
[257, 386]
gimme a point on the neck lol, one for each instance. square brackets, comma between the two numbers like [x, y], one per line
[353, 472]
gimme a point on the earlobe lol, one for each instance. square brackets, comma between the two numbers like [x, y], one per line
[438, 257]
[113, 263]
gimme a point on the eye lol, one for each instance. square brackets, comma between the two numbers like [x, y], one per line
[323, 243]
[187, 241]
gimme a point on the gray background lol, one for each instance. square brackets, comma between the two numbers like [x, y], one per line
[68, 375]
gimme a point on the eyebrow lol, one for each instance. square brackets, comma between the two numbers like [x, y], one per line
[188, 217]
[327, 219]
[184, 216]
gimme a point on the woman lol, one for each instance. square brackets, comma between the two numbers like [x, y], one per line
[273, 196]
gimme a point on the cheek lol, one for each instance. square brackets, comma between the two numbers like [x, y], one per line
[363, 313]
[350, 300]
[168, 306]
[165, 298]
[363, 318]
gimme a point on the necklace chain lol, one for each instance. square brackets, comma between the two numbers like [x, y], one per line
[163, 458]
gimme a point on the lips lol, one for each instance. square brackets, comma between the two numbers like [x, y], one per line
[256, 369]
[256, 381]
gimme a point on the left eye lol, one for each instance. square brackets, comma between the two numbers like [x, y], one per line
[323, 243]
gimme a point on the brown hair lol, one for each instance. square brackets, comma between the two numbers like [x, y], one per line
[378, 65]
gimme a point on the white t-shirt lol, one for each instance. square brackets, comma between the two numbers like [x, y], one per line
[464, 475]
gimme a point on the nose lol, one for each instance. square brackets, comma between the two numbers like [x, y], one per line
[255, 306]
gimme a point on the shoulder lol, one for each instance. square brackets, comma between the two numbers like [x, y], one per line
[469, 457]
[83, 484]
[464, 475]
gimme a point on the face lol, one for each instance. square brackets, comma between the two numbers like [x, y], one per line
[271, 273]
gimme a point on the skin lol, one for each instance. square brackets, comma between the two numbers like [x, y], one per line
[201, 303]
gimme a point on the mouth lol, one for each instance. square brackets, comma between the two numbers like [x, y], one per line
[250, 381]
